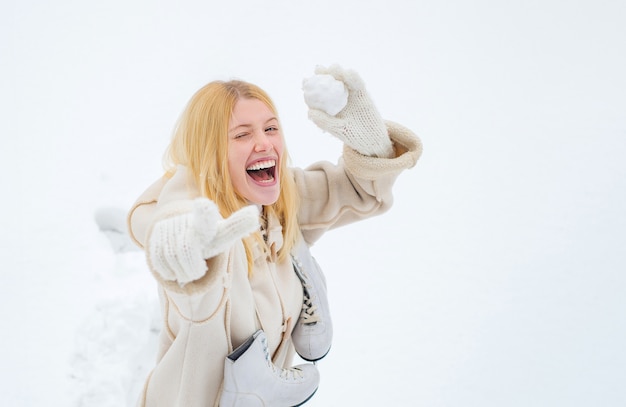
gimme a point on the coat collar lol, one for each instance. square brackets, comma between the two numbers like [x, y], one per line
[272, 232]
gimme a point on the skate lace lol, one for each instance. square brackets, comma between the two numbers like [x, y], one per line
[287, 374]
[308, 315]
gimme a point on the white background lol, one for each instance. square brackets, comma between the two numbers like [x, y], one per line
[497, 279]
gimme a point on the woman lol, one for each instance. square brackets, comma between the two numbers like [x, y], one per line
[220, 228]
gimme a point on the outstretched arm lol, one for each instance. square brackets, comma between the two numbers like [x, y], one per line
[375, 153]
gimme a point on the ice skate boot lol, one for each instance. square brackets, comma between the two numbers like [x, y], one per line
[251, 379]
[313, 333]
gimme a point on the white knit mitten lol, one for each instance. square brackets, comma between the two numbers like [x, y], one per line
[178, 245]
[358, 124]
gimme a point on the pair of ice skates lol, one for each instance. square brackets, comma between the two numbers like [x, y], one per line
[250, 377]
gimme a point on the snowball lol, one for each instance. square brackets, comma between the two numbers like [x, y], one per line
[323, 92]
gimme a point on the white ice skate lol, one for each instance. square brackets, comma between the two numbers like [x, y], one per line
[252, 380]
[313, 334]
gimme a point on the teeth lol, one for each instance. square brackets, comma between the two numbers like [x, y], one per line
[261, 165]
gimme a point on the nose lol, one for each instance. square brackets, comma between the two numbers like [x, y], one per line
[261, 142]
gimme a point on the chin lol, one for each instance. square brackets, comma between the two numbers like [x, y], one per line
[265, 196]
[267, 201]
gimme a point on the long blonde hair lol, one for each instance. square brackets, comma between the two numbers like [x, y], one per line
[200, 142]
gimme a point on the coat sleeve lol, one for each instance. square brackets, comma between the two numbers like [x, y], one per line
[170, 197]
[356, 188]
[142, 212]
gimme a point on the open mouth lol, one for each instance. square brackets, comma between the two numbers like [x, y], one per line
[262, 171]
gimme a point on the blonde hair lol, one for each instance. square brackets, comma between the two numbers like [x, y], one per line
[200, 143]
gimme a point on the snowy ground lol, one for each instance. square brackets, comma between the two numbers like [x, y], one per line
[496, 280]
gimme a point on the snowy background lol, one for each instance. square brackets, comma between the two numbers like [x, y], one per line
[496, 280]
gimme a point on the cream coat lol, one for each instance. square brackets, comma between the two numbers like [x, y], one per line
[204, 320]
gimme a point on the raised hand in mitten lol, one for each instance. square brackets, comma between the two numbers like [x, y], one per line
[178, 245]
[339, 104]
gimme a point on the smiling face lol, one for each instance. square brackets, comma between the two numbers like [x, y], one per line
[255, 146]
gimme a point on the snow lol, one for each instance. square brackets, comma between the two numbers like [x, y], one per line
[497, 279]
[323, 92]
